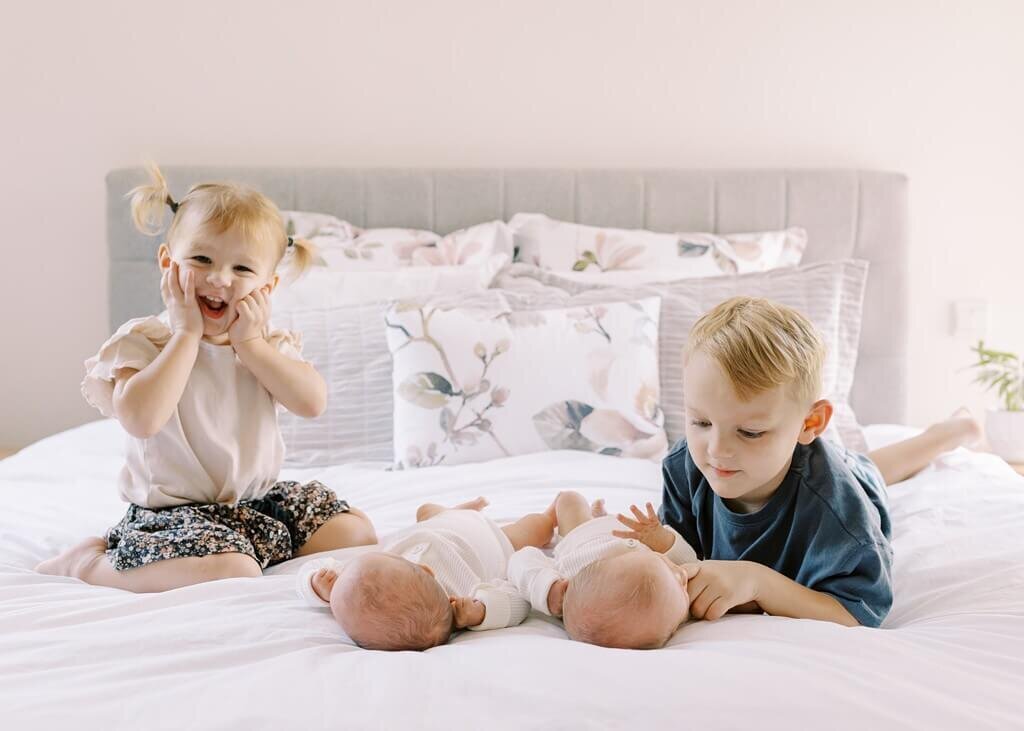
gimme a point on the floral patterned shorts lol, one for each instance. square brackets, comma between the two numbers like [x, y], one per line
[270, 529]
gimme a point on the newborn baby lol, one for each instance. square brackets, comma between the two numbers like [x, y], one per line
[447, 572]
[612, 587]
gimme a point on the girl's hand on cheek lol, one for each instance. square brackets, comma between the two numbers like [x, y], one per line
[182, 306]
[252, 318]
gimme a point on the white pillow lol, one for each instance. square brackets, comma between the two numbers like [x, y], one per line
[573, 247]
[321, 288]
[476, 384]
[344, 247]
[830, 294]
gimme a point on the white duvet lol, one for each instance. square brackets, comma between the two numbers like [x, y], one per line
[247, 654]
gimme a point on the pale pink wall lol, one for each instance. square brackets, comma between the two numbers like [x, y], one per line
[931, 89]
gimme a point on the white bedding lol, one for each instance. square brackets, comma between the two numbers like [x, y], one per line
[246, 654]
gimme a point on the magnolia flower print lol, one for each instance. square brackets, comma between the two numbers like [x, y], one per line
[588, 320]
[609, 253]
[462, 408]
[449, 251]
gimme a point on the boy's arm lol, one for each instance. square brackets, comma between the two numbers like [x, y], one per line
[144, 400]
[721, 586]
[294, 383]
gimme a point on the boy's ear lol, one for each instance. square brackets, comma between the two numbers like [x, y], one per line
[163, 256]
[816, 421]
[271, 285]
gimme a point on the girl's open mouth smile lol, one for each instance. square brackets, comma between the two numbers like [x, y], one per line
[212, 307]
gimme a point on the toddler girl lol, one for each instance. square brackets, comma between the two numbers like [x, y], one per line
[197, 389]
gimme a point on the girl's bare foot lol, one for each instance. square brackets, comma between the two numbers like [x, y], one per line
[478, 504]
[597, 508]
[77, 560]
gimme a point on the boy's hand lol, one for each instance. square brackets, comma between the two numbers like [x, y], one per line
[647, 529]
[718, 586]
[182, 306]
[323, 582]
[556, 597]
[468, 612]
[252, 317]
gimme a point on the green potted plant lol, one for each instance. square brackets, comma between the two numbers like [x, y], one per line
[1003, 373]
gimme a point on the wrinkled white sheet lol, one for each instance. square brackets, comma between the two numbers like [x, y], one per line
[246, 654]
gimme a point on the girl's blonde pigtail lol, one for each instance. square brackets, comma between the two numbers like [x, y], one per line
[304, 254]
[150, 202]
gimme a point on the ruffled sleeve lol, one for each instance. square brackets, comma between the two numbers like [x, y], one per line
[135, 345]
[287, 342]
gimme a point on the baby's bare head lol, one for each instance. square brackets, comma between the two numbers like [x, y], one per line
[384, 602]
[635, 601]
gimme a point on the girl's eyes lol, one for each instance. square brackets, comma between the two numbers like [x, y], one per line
[206, 260]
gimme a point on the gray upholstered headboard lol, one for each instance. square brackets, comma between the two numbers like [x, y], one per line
[848, 213]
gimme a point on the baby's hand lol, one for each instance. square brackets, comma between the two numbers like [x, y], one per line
[182, 306]
[647, 529]
[253, 317]
[556, 597]
[323, 582]
[468, 612]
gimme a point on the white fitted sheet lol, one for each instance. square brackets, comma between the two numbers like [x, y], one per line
[248, 654]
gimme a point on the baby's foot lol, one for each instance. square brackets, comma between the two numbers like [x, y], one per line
[960, 430]
[597, 508]
[77, 560]
[478, 504]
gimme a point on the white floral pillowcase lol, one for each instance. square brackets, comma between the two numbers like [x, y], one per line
[345, 247]
[576, 248]
[476, 384]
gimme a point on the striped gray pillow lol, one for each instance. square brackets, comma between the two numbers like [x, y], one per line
[830, 294]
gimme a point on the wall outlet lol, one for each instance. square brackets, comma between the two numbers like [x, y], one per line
[970, 318]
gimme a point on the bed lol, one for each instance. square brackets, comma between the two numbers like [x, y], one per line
[246, 653]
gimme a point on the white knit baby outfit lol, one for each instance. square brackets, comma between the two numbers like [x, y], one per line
[533, 572]
[468, 554]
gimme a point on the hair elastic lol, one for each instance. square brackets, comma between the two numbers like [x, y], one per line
[172, 203]
[291, 241]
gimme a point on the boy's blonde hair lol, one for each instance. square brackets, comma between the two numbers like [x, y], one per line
[761, 345]
[215, 208]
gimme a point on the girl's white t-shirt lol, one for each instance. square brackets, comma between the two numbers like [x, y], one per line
[222, 443]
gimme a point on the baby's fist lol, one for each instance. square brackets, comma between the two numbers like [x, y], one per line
[467, 612]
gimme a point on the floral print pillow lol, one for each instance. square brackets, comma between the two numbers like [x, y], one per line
[345, 247]
[475, 384]
[573, 247]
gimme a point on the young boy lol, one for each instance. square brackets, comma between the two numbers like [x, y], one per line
[786, 523]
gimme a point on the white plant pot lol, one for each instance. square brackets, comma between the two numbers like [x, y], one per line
[1005, 432]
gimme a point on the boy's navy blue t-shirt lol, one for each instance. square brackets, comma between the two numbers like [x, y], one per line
[826, 527]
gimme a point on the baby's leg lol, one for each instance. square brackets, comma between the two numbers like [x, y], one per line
[902, 460]
[573, 510]
[352, 528]
[429, 510]
[88, 561]
[534, 529]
